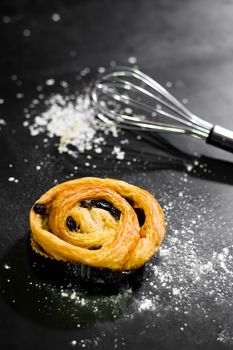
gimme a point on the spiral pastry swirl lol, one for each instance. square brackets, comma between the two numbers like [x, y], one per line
[105, 223]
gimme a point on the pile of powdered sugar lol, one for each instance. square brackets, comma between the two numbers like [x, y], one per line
[75, 124]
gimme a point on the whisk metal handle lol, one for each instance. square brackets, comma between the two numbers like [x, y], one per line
[221, 137]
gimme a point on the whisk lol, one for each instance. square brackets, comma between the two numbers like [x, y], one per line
[130, 99]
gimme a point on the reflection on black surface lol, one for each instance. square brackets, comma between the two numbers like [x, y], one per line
[45, 292]
[213, 170]
[150, 153]
[217, 170]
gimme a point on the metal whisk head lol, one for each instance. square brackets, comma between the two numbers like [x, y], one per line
[130, 99]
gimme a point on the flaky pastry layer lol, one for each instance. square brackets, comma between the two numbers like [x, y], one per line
[97, 238]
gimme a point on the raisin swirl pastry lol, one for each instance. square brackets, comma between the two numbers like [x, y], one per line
[102, 223]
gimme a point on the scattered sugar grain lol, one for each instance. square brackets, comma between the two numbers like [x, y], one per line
[169, 84]
[73, 342]
[2, 123]
[6, 19]
[55, 17]
[1, 101]
[11, 179]
[120, 155]
[98, 150]
[73, 53]
[19, 95]
[64, 84]
[185, 101]
[101, 70]
[128, 110]
[189, 167]
[7, 266]
[132, 60]
[146, 304]
[85, 71]
[26, 33]
[112, 63]
[50, 82]
[124, 142]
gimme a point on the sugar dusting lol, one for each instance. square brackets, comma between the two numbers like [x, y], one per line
[185, 282]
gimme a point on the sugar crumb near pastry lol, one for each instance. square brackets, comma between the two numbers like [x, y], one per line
[56, 17]
[2, 123]
[13, 179]
[7, 266]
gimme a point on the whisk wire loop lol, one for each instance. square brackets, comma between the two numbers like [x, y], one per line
[128, 98]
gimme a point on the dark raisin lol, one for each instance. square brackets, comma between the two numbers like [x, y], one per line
[71, 224]
[102, 204]
[95, 248]
[39, 208]
[86, 204]
[130, 201]
[116, 213]
[141, 215]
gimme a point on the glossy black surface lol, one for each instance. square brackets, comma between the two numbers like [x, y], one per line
[187, 43]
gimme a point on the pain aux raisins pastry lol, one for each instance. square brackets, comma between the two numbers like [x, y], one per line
[101, 223]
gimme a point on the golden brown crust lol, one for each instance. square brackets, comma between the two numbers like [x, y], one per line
[101, 241]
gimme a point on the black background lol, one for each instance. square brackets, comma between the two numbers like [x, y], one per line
[187, 41]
